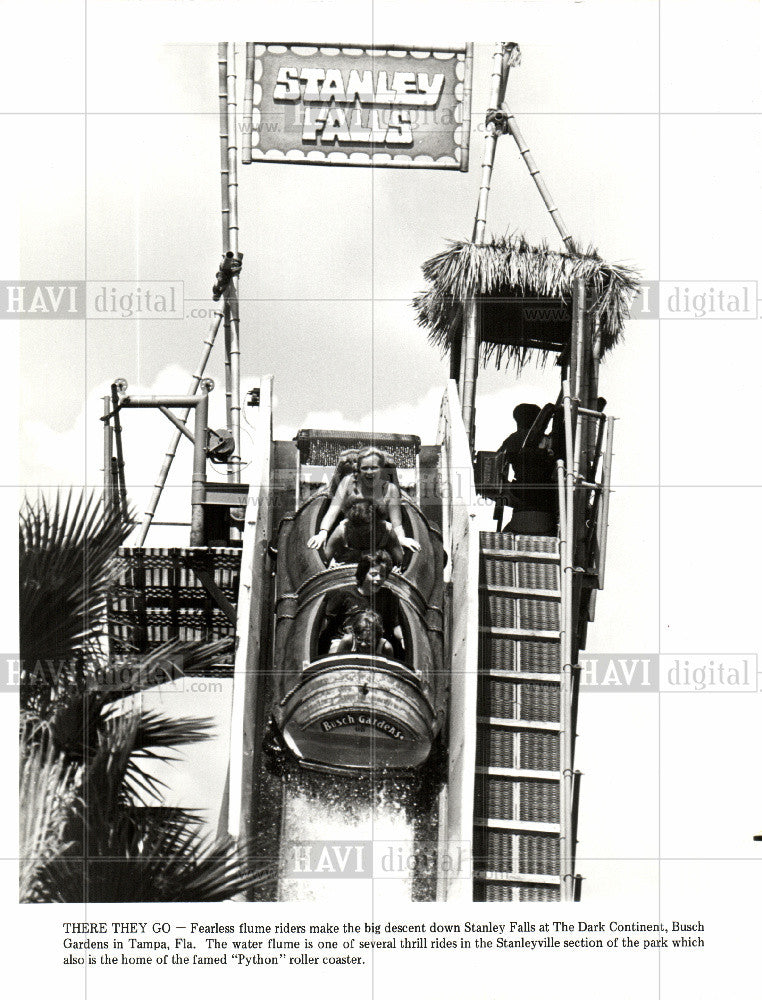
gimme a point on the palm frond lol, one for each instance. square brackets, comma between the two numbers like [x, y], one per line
[109, 845]
[76, 724]
[154, 737]
[155, 730]
[510, 268]
[150, 855]
[66, 550]
[116, 774]
[90, 727]
[47, 794]
[91, 829]
[171, 661]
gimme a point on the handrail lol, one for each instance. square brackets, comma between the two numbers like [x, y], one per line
[603, 516]
[588, 539]
[566, 580]
[567, 523]
[582, 540]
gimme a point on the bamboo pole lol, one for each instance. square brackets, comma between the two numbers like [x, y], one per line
[569, 448]
[468, 82]
[229, 210]
[567, 879]
[222, 72]
[227, 341]
[579, 378]
[198, 482]
[578, 393]
[506, 54]
[248, 105]
[579, 339]
[183, 428]
[121, 485]
[233, 389]
[565, 748]
[159, 402]
[222, 62]
[108, 452]
[591, 393]
[564, 735]
[455, 360]
[172, 448]
[575, 521]
[561, 480]
[231, 294]
[470, 366]
[232, 150]
[534, 171]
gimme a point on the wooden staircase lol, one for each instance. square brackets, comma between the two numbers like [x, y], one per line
[518, 783]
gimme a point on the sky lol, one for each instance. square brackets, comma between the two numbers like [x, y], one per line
[651, 151]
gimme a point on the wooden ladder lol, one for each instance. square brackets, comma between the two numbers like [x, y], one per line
[517, 811]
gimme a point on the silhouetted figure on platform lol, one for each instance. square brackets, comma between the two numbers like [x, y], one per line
[532, 492]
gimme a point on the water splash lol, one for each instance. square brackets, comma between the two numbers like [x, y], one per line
[325, 820]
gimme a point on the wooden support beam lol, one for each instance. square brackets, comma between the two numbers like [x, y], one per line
[519, 724]
[518, 774]
[523, 878]
[516, 825]
[522, 676]
[207, 581]
[529, 593]
[517, 554]
[552, 635]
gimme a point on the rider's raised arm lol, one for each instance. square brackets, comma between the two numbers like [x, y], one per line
[331, 515]
[395, 509]
[395, 516]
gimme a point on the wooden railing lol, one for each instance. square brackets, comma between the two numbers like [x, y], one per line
[584, 484]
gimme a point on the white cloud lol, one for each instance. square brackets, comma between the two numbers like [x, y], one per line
[75, 456]
[493, 412]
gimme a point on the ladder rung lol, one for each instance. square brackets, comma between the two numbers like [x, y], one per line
[519, 825]
[516, 554]
[528, 592]
[493, 720]
[522, 675]
[520, 774]
[523, 877]
[552, 635]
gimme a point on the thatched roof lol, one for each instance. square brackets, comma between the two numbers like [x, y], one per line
[502, 275]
